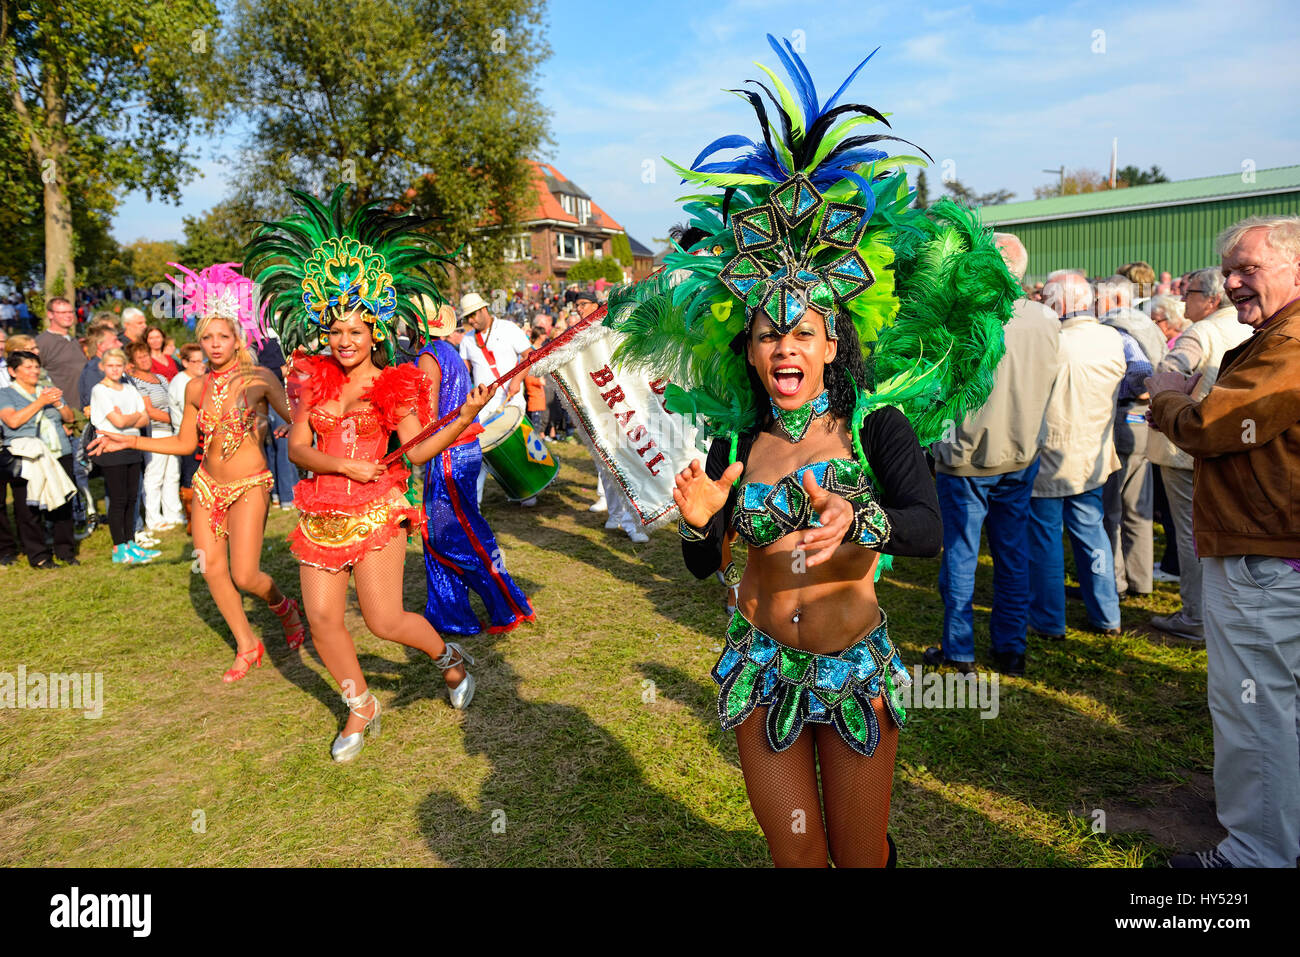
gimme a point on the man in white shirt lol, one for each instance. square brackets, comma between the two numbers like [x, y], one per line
[495, 347]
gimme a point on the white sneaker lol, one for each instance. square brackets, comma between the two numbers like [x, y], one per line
[600, 505]
[613, 523]
[1161, 575]
[529, 502]
[636, 534]
[144, 538]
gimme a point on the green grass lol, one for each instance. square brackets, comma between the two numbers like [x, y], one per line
[592, 739]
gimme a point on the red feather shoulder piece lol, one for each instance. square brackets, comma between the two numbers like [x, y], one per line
[399, 390]
[313, 379]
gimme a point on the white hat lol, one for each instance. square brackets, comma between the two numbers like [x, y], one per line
[471, 303]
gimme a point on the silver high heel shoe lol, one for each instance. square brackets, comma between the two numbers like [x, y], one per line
[452, 656]
[345, 748]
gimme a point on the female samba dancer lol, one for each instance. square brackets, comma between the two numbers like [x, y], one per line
[225, 409]
[346, 286]
[809, 594]
[813, 262]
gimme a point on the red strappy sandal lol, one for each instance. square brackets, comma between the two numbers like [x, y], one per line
[249, 661]
[295, 636]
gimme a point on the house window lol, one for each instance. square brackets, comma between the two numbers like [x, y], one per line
[584, 211]
[566, 201]
[598, 252]
[519, 248]
[568, 246]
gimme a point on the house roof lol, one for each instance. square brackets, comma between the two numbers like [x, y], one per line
[1280, 179]
[639, 250]
[548, 182]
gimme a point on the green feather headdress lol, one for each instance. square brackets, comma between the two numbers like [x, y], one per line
[815, 214]
[317, 266]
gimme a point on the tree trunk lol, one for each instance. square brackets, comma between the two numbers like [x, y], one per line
[60, 271]
[60, 274]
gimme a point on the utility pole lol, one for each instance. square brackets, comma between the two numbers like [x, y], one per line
[1061, 173]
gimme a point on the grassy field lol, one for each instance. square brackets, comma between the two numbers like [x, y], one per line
[592, 740]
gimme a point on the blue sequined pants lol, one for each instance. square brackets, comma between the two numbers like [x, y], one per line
[461, 551]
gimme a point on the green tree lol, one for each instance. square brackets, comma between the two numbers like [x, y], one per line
[972, 198]
[922, 191]
[591, 269]
[89, 86]
[148, 261]
[1076, 181]
[1132, 176]
[430, 101]
[622, 250]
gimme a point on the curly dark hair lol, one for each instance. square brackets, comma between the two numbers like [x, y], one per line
[845, 376]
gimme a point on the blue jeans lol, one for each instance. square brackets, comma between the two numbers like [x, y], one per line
[1000, 503]
[277, 460]
[1084, 518]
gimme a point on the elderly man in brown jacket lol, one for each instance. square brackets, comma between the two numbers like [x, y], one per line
[1244, 437]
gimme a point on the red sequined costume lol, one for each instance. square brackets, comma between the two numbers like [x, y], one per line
[343, 519]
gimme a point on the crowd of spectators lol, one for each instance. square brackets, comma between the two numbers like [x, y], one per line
[1175, 399]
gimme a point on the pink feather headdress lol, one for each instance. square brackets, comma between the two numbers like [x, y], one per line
[220, 290]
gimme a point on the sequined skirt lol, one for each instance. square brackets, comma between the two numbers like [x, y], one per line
[337, 540]
[799, 686]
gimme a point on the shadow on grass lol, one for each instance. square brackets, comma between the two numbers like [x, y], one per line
[561, 791]
[1096, 720]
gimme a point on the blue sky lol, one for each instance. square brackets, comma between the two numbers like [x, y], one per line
[996, 92]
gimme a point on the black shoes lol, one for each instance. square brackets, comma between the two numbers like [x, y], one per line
[935, 659]
[1010, 663]
[1042, 634]
[1211, 858]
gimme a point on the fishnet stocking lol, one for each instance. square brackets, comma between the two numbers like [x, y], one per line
[855, 792]
[783, 793]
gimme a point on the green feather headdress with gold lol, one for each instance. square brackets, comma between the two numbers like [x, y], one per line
[319, 265]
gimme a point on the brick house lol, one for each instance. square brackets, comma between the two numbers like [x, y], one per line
[564, 226]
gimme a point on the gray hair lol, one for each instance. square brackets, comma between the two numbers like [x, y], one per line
[1067, 293]
[1013, 253]
[1170, 309]
[1283, 234]
[1117, 289]
[1056, 275]
[1208, 281]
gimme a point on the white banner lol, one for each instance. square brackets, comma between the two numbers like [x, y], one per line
[621, 417]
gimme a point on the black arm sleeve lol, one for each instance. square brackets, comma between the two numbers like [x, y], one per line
[904, 483]
[704, 558]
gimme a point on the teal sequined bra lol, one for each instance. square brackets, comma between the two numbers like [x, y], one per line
[765, 513]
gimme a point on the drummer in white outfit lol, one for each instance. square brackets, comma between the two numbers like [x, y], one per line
[495, 346]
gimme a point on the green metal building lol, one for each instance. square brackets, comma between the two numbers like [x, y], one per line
[1172, 226]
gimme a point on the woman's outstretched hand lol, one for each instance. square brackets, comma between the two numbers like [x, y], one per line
[105, 442]
[835, 514]
[699, 497]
